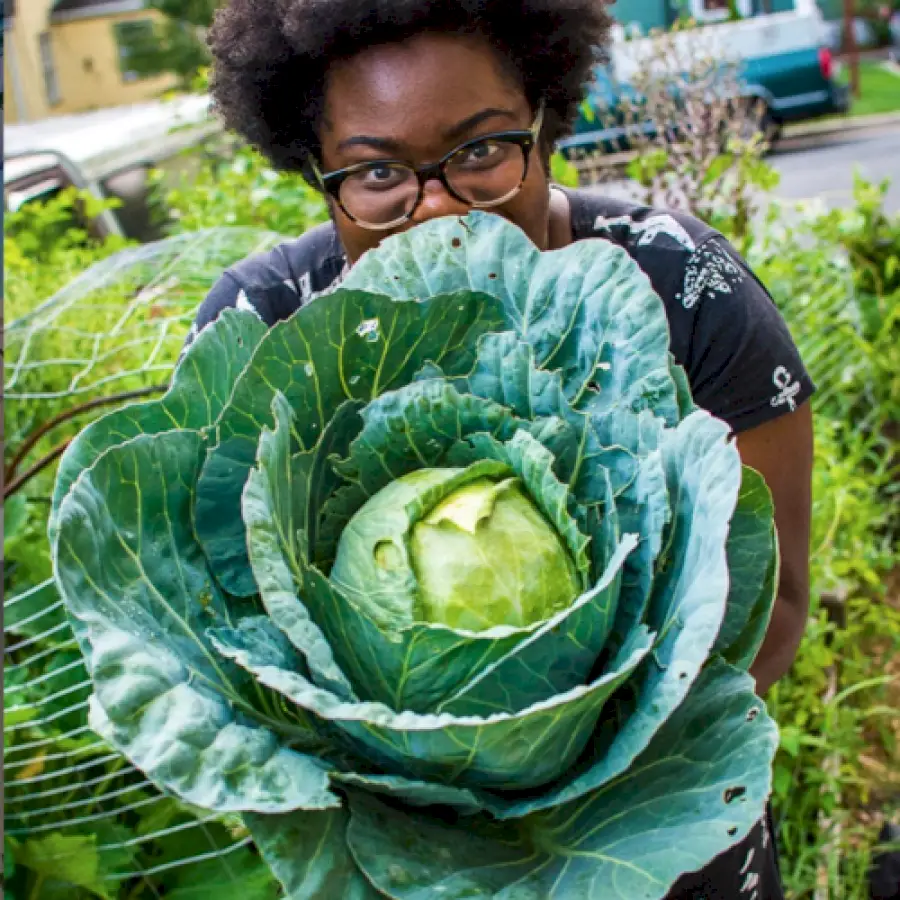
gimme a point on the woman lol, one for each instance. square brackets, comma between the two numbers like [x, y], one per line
[406, 110]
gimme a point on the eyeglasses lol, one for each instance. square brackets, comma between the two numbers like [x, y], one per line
[482, 173]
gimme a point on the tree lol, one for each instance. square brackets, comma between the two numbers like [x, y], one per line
[178, 43]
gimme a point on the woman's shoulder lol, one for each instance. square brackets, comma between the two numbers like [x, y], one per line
[277, 282]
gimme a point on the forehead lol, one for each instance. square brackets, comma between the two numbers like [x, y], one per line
[421, 86]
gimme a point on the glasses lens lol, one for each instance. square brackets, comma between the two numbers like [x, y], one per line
[488, 172]
[380, 195]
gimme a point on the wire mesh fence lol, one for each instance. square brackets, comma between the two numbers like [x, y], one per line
[79, 819]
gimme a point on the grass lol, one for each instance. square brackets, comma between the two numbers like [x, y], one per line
[879, 91]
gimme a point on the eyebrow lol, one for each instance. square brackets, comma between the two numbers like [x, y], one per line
[453, 133]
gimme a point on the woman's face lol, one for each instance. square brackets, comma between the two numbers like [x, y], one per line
[416, 101]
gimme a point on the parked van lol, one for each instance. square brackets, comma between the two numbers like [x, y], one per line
[109, 152]
[785, 66]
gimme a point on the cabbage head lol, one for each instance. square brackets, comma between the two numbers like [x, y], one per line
[444, 585]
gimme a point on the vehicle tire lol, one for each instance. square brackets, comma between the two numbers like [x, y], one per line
[757, 118]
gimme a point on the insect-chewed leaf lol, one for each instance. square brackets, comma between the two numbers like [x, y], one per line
[700, 785]
[586, 309]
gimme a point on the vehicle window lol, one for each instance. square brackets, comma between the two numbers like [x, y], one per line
[133, 39]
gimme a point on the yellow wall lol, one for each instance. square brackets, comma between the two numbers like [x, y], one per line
[87, 60]
[21, 62]
[87, 64]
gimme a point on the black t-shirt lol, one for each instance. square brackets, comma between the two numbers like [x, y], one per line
[726, 332]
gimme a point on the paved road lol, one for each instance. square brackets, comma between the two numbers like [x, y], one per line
[823, 166]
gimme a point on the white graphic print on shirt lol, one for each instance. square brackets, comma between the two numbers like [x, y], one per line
[787, 388]
[649, 230]
[709, 272]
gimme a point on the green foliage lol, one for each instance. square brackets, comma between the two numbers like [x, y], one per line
[46, 245]
[240, 189]
[79, 822]
[178, 44]
[833, 277]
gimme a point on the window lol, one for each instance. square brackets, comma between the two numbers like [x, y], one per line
[48, 66]
[133, 39]
[718, 10]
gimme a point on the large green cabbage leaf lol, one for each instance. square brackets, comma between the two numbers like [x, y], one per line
[254, 647]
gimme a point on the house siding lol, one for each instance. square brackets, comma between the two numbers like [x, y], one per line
[86, 58]
[649, 14]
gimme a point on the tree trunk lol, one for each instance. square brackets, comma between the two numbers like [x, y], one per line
[850, 46]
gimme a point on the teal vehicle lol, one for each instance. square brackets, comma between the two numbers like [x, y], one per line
[786, 69]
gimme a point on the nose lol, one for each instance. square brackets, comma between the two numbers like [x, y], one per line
[437, 201]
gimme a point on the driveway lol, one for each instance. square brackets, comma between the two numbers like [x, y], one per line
[822, 166]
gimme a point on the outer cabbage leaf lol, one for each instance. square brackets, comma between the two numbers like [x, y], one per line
[753, 570]
[308, 853]
[140, 597]
[597, 446]
[353, 346]
[201, 386]
[699, 786]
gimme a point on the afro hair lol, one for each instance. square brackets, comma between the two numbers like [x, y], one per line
[271, 57]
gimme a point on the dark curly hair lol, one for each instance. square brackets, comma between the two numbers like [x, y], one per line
[271, 57]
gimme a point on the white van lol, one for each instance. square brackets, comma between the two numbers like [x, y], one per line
[108, 152]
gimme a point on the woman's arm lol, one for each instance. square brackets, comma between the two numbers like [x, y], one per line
[782, 452]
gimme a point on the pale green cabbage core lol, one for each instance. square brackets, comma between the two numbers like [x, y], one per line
[467, 548]
[485, 556]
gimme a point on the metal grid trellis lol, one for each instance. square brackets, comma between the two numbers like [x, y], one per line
[80, 820]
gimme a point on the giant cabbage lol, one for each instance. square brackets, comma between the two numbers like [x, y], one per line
[444, 584]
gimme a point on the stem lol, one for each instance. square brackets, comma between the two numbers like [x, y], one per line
[20, 481]
[35, 892]
[72, 413]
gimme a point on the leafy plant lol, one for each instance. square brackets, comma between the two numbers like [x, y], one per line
[696, 139]
[238, 188]
[305, 580]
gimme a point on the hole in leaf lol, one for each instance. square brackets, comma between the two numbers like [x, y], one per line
[388, 555]
[734, 793]
[456, 243]
[593, 386]
[752, 713]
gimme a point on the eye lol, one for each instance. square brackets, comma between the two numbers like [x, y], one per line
[480, 153]
[381, 177]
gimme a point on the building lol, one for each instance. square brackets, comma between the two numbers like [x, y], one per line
[643, 15]
[66, 56]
